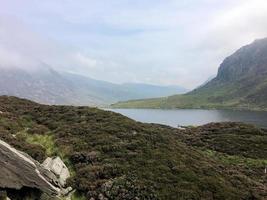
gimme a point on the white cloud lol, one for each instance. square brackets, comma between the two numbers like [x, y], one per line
[13, 59]
[85, 60]
[165, 42]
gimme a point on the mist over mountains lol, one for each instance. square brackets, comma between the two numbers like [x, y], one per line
[36, 67]
[48, 86]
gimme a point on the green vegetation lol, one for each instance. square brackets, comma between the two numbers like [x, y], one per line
[237, 160]
[212, 98]
[117, 158]
[46, 141]
[241, 83]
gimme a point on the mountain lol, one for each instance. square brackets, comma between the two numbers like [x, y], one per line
[48, 86]
[241, 83]
[114, 157]
[149, 91]
[110, 92]
[206, 82]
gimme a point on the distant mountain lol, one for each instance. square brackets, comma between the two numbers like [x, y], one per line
[149, 91]
[241, 83]
[45, 85]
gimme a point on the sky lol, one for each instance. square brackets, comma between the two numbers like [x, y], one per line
[163, 42]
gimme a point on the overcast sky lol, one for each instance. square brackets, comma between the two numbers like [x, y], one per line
[170, 42]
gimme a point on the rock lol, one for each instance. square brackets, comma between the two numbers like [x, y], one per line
[65, 192]
[57, 166]
[47, 163]
[69, 196]
[19, 170]
[20, 173]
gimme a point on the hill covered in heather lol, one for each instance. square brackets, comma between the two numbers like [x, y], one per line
[114, 157]
[241, 83]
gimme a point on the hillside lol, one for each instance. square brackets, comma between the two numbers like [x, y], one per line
[45, 85]
[114, 157]
[241, 83]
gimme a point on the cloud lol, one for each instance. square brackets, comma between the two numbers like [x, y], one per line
[10, 59]
[85, 60]
[21, 47]
[156, 41]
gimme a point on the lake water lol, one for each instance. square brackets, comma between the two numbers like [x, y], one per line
[186, 117]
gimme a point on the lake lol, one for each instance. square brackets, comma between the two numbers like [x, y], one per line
[185, 117]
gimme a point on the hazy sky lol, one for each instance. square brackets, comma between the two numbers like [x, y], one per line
[166, 42]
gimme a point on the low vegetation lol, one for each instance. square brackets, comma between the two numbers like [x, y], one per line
[115, 157]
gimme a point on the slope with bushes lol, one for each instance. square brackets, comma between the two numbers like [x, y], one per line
[114, 157]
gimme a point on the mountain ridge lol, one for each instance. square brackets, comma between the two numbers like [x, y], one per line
[48, 86]
[241, 83]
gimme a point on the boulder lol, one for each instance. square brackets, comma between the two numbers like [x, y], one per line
[22, 175]
[18, 170]
[57, 166]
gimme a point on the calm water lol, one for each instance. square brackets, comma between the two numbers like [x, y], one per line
[194, 116]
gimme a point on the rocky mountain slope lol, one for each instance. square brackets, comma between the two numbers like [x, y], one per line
[241, 83]
[48, 86]
[113, 157]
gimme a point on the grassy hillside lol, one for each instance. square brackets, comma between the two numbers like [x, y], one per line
[241, 83]
[118, 158]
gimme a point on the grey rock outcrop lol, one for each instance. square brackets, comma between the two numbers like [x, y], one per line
[20, 171]
[57, 166]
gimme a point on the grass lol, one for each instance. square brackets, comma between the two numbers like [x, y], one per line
[76, 196]
[46, 141]
[236, 160]
[233, 95]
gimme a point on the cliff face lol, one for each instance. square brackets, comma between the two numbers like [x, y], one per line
[241, 80]
[247, 62]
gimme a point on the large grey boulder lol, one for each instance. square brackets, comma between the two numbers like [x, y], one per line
[19, 170]
[57, 166]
